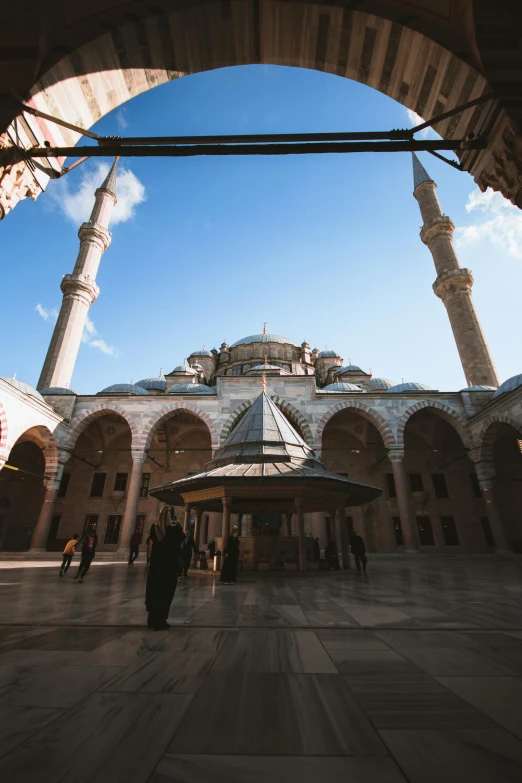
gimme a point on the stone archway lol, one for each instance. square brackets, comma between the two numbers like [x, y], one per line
[290, 411]
[425, 57]
[488, 434]
[90, 415]
[366, 412]
[451, 415]
[148, 431]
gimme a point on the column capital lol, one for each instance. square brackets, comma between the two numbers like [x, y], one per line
[63, 456]
[81, 286]
[298, 502]
[139, 456]
[453, 281]
[52, 483]
[396, 454]
[439, 225]
[227, 502]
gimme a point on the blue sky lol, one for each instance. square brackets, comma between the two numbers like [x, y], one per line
[323, 248]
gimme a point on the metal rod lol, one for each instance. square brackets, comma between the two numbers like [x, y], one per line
[63, 123]
[28, 472]
[446, 160]
[67, 169]
[255, 138]
[456, 110]
[254, 149]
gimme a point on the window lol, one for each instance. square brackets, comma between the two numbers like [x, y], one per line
[98, 485]
[64, 484]
[425, 531]
[90, 519]
[120, 482]
[439, 485]
[144, 486]
[449, 530]
[390, 482]
[475, 485]
[486, 529]
[416, 484]
[112, 532]
[53, 529]
[397, 529]
[140, 523]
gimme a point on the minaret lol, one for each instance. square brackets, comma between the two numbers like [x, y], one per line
[80, 289]
[453, 284]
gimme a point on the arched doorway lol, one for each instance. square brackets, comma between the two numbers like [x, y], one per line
[22, 489]
[502, 446]
[425, 58]
[445, 496]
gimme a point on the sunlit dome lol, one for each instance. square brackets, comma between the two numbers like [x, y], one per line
[409, 386]
[348, 368]
[58, 390]
[202, 352]
[509, 385]
[342, 387]
[263, 368]
[124, 388]
[184, 368]
[153, 384]
[328, 355]
[263, 338]
[381, 384]
[24, 388]
[480, 388]
[190, 388]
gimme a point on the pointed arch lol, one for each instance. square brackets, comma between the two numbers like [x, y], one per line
[284, 406]
[487, 435]
[147, 433]
[90, 415]
[454, 418]
[375, 418]
[233, 420]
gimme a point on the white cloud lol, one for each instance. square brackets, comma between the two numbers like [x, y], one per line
[415, 119]
[76, 203]
[501, 224]
[91, 337]
[121, 119]
[47, 315]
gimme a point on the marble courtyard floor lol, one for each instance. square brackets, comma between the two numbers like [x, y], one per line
[412, 672]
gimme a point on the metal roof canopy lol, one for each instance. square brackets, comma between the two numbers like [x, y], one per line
[253, 144]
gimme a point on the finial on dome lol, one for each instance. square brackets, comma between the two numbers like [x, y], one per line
[371, 373]
[161, 372]
[14, 377]
[264, 327]
[263, 382]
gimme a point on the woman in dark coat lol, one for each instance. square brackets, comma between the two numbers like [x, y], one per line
[230, 561]
[167, 537]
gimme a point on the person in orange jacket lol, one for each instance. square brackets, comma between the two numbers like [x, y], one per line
[68, 554]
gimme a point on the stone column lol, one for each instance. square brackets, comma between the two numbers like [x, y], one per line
[225, 522]
[285, 526]
[300, 534]
[186, 517]
[409, 530]
[41, 531]
[133, 495]
[485, 470]
[197, 528]
[345, 545]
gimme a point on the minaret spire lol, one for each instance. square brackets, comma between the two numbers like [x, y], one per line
[453, 284]
[80, 289]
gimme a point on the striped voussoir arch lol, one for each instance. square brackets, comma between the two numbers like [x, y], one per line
[147, 433]
[287, 407]
[450, 414]
[3, 430]
[366, 412]
[487, 435]
[233, 419]
[85, 418]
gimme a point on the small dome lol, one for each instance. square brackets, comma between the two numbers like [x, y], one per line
[409, 386]
[480, 388]
[263, 338]
[348, 368]
[190, 388]
[263, 367]
[124, 388]
[509, 385]
[328, 355]
[24, 388]
[183, 368]
[59, 390]
[153, 384]
[202, 352]
[342, 387]
[381, 384]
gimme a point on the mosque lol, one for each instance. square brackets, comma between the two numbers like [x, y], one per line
[410, 468]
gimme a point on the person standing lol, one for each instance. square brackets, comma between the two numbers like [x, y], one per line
[89, 544]
[166, 536]
[317, 549]
[134, 544]
[188, 546]
[358, 550]
[331, 556]
[228, 574]
[68, 554]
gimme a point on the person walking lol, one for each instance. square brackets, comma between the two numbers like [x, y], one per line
[68, 554]
[316, 546]
[148, 544]
[166, 536]
[134, 544]
[188, 546]
[228, 574]
[358, 550]
[89, 543]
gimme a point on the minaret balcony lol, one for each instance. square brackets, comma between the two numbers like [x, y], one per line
[453, 280]
[439, 225]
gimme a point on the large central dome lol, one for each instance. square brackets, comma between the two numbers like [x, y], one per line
[263, 338]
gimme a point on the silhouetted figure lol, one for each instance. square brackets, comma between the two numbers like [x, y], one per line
[148, 544]
[166, 536]
[212, 548]
[188, 546]
[316, 546]
[228, 574]
[134, 544]
[331, 556]
[358, 550]
[89, 542]
[68, 554]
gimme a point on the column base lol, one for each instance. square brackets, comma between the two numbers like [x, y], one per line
[37, 551]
